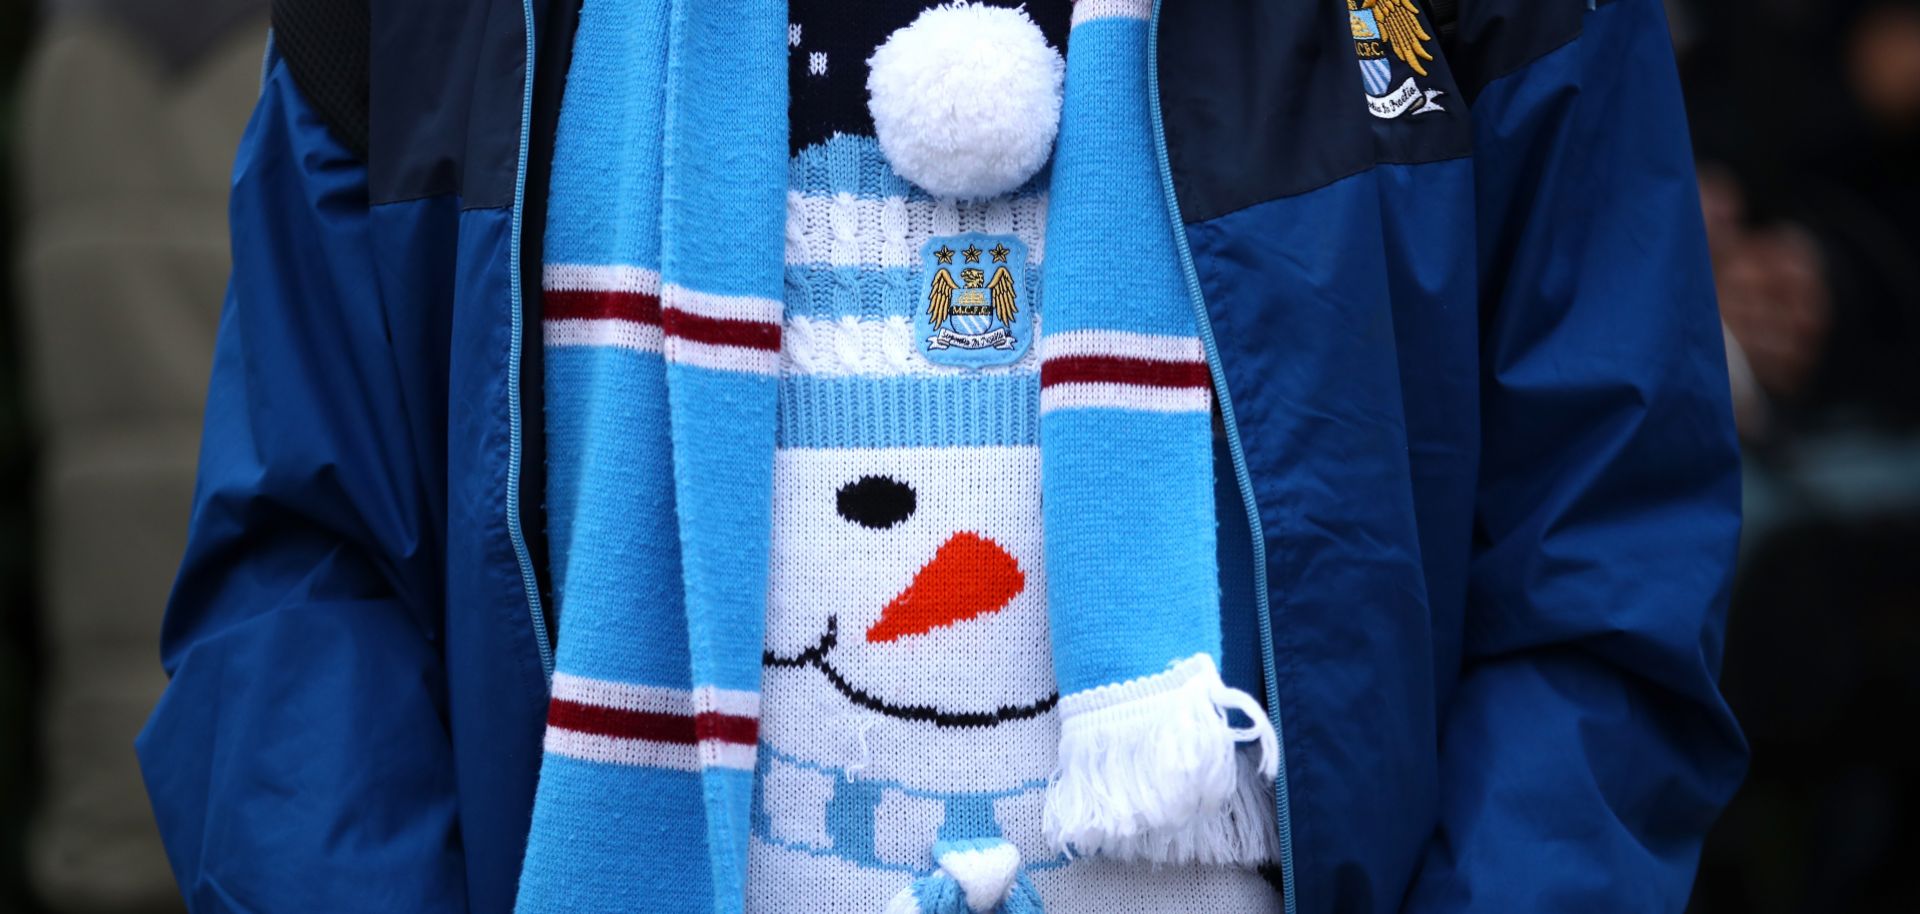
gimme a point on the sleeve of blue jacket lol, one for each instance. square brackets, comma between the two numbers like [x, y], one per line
[1586, 749]
[299, 759]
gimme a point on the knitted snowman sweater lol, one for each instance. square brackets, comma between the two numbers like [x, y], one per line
[885, 578]
[908, 711]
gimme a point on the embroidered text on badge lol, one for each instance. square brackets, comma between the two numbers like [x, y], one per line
[1385, 31]
[977, 309]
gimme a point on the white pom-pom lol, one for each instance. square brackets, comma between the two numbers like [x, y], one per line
[966, 100]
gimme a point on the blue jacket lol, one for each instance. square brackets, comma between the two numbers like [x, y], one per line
[1470, 370]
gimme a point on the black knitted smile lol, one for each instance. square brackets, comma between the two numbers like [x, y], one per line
[816, 657]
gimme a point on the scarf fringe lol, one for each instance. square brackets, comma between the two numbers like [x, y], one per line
[1151, 771]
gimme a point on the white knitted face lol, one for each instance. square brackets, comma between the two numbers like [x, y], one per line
[907, 601]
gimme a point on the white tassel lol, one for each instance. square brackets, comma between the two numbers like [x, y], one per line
[1150, 771]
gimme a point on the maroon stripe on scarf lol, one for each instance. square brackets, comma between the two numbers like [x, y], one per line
[686, 729]
[722, 331]
[600, 304]
[1081, 369]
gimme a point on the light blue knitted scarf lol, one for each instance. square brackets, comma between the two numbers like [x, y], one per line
[663, 318]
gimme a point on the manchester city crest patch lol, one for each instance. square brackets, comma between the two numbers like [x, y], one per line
[1386, 32]
[976, 309]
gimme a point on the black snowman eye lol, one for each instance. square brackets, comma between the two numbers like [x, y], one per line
[876, 502]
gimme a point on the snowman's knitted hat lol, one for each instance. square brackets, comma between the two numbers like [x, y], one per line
[664, 316]
[857, 375]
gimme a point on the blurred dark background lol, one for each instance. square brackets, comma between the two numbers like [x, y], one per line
[118, 120]
[1806, 123]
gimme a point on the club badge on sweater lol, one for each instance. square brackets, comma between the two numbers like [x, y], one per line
[978, 308]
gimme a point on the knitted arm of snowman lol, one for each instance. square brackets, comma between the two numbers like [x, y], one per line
[1587, 749]
[299, 758]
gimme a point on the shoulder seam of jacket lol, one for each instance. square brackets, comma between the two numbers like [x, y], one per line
[1481, 82]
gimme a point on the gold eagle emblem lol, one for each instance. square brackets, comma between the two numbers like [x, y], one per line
[1400, 26]
[940, 302]
[999, 290]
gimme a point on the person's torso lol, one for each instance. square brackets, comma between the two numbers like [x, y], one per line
[1334, 251]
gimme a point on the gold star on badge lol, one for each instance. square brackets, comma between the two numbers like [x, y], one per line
[1000, 252]
[973, 253]
[944, 255]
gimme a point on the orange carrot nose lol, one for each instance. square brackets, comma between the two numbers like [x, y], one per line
[969, 576]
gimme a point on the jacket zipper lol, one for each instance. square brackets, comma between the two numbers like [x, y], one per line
[1282, 808]
[515, 531]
